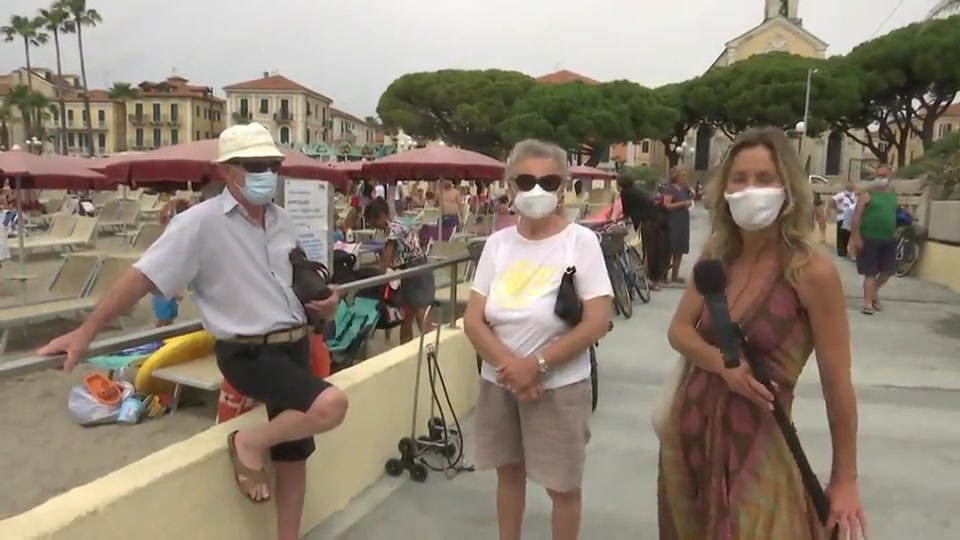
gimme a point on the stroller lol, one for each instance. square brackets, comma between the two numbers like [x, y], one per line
[356, 320]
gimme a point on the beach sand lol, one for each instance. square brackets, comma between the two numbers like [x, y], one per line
[42, 452]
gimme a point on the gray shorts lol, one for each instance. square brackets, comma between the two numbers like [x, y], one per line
[547, 436]
[417, 292]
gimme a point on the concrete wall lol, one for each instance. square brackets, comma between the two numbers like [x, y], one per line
[187, 490]
[945, 221]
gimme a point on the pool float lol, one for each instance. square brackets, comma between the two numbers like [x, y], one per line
[175, 351]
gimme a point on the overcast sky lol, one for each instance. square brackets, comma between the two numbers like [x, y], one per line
[351, 50]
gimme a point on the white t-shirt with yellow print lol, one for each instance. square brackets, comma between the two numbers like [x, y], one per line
[520, 279]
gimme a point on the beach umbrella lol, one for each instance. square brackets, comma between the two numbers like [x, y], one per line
[194, 162]
[591, 173]
[435, 162]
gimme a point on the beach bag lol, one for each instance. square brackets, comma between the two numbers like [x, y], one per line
[568, 306]
[87, 410]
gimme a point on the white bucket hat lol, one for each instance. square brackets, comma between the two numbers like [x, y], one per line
[247, 141]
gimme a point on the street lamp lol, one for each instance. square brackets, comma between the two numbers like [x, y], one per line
[34, 145]
[802, 125]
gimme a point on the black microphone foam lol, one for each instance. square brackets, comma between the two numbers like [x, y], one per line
[710, 278]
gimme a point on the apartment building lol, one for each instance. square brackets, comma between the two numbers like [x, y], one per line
[351, 129]
[107, 125]
[295, 114]
[155, 115]
[170, 112]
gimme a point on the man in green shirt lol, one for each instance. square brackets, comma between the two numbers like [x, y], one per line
[872, 237]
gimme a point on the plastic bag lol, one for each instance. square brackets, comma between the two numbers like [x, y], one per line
[85, 410]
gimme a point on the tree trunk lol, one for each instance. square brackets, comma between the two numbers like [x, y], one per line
[86, 95]
[62, 136]
[27, 117]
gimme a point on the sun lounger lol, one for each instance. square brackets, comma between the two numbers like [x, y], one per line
[60, 236]
[448, 250]
[202, 374]
[108, 272]
[110, 215]
[146, 236]
[73, 277]
[150, 204]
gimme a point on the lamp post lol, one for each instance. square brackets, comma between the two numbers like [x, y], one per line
[802, 124]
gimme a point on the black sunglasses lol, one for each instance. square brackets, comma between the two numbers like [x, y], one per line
[549, 182]
[259, 166]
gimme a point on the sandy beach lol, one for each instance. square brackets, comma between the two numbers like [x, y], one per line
[42, 452]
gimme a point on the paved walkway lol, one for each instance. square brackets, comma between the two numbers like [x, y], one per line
[907, 374]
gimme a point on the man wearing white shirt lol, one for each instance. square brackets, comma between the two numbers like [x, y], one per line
[844, 202]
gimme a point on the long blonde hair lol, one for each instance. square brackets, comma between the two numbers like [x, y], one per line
[795, 220]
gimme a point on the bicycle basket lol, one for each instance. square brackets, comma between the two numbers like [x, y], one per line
[612, 242]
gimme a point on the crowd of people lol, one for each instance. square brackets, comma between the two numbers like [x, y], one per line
[540, 298]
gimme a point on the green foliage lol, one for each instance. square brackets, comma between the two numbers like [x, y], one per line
[464, 108]
[645, 177]
[879, 94]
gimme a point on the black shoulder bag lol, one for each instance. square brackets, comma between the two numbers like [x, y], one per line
[310, 280]
[568, 307]
[810, 482]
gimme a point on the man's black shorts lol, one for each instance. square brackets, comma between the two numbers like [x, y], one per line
[277, 375]
[877, 256]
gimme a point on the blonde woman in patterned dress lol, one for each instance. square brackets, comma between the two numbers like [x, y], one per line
[725, 471]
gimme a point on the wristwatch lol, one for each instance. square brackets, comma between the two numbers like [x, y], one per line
[542, 364]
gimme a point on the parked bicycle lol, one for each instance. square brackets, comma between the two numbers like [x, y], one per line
[625, 266]
[908, 249]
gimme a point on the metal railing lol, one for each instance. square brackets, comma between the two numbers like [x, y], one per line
[31, 364]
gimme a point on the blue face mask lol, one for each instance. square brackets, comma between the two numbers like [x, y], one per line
[260, 188]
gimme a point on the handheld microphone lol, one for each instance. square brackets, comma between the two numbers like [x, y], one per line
[711, 282]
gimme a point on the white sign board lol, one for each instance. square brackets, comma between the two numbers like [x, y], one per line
[309, 204]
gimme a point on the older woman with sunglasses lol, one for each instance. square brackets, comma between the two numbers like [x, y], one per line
[535, 396]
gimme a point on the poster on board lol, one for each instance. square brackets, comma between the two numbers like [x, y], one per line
[310, 203]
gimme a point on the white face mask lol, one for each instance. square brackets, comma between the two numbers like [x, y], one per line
[536, 203]
[754, 209]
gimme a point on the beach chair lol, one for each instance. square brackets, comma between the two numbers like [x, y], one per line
[129, 215]
[443, 277]
[84, 234]
[201, 374]
[107, 273]
[150, 206]
[103, 198]
[73, 276]
[110, 215]
[57, 236]
[146, 236]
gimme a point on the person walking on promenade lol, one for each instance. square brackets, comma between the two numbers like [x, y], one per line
[678, 200]
[844, 203]
[726, 472]
[233, 251]
[645, 217]
[535, 396]
[873, 237]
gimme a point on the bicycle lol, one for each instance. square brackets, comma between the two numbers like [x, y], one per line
[625, 266]
[908, 249]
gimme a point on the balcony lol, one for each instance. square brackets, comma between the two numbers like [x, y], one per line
[137, 119]
[283, 116]
[174, 121]
[158, 120]
[242, 116]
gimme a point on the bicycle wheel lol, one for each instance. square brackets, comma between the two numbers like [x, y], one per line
[594, 379]
[908, 252]
[640, 282]
[621, 290]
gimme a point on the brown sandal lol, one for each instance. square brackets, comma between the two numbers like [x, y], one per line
[252, 479]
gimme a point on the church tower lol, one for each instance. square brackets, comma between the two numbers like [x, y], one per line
[788, 9]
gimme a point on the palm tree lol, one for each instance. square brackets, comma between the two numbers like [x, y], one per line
[123, 92]
[6, 114]
[945, 7]
[29, 31]
[81, 16]
[33, 107]
[56, 21]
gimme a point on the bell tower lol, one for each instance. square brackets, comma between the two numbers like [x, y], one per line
[788, 9]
